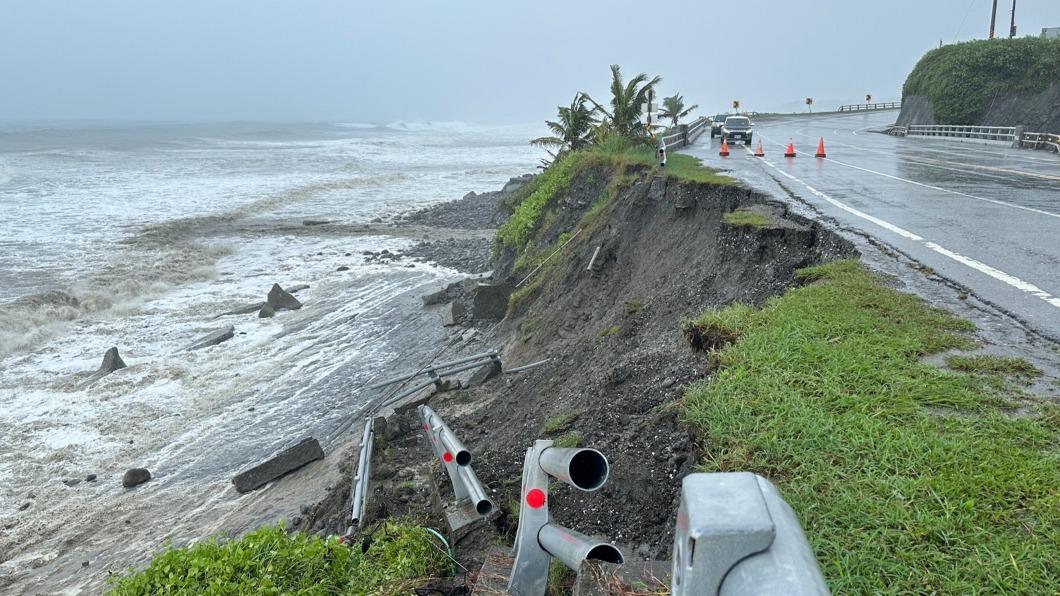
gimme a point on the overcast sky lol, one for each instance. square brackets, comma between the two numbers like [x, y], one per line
[486, 61]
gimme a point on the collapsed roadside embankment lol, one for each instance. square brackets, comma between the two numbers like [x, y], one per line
[667, 247]
[690, 324]
[997, 82]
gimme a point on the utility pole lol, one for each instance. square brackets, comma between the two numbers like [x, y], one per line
[993, 20]
[1012, 27]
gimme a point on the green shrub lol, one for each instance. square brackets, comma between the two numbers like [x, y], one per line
[271, 561]
[518, 230]
[559, 422]
[962, 79]
[569, 440]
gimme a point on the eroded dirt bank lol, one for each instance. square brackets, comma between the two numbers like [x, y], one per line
[618, 358]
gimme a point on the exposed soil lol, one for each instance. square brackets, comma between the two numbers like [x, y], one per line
[619, 361]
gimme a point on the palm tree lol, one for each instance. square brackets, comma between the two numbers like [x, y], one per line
[627, 102]
[674, 108]
[574, 128]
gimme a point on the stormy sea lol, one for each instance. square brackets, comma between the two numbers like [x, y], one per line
[141, 237]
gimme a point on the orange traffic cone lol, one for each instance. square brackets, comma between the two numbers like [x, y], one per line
[760, 151]
[791, 150]
[724, 148]
[820, 149]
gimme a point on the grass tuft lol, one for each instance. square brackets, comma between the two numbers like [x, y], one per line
[825, 393]
[569, 440]
[559, 422]
[271, 561]
[747, 219]
[990, 364]
[612, 330]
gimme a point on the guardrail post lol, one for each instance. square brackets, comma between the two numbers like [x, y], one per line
[359, 493]
[537, 539]
[1017, 135]
[736, 536]
[450, 451]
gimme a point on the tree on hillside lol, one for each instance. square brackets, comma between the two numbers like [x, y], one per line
[627, 102]
[573, 129]
[674, 108]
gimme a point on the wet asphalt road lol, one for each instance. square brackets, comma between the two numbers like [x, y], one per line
[985, 216]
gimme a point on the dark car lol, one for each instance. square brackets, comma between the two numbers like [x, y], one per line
[737, 128]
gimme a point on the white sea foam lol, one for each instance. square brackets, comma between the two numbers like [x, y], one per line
[116, 240]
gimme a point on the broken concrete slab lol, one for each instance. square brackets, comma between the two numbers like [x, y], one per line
[453, 313]
[290, 459]
[484, 373]
[242, 310]
[490, 301]
[213, 338]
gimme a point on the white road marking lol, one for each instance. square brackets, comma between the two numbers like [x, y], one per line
[940, 189]
[979, 266]
[996, 274]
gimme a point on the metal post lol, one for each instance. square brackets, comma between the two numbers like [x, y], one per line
[457, 461]
[993, 19]
[364, 466]
[537, 539]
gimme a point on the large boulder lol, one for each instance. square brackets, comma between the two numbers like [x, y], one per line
[135, 477]
[490, 301]
[280, 299]
[213, 338]
[111, 362]
[285, 462]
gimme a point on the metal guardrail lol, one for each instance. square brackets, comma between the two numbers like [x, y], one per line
[735, 535]
[359, 494]
[1040, 140]
[870, 107]
[1007, 134]
[685, 135]
[456, 459]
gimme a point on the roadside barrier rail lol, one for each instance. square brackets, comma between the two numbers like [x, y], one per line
[736, 536]
[537, 539]
[457, 461]
[439, 370]
[359, 492]
[984, 133]
[685, 135]
[868, 107]
[1040, 140]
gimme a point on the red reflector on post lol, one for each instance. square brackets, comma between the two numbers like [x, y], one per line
[535, 498]
[448, 457]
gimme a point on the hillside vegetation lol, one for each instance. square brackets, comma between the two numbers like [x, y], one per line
[962, 80]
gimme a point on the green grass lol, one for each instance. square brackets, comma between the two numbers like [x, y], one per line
[990, 364]
[907, 478]
[962, 79]
[634, 306]
[608, 332]
[678, 165]
[271, 561]
[559, 422]
[517, 232]
[560, 579]
[569, 440]
[750, 219]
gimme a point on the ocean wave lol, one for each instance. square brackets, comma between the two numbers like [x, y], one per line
[6, 174]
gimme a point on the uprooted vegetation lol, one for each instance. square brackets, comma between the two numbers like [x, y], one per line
[904, 474]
